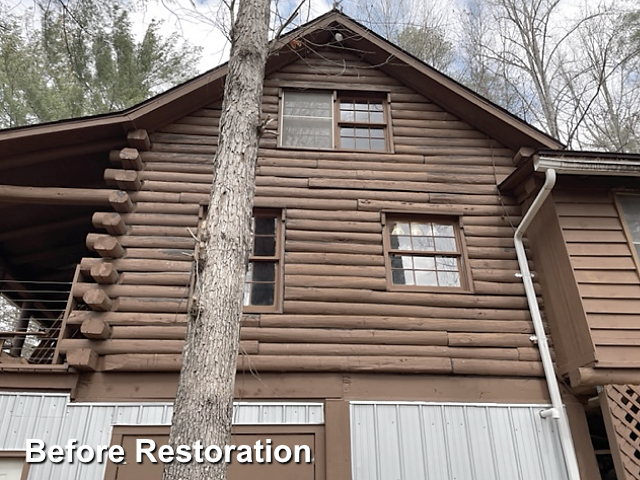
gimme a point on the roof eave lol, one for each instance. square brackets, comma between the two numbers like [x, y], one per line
[604, 166]
[601, 164]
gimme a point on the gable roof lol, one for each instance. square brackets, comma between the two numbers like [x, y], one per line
[46, 241]
[189, 96]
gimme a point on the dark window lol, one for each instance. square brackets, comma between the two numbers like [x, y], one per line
[262, 279]
[424, 252]
[327, 120]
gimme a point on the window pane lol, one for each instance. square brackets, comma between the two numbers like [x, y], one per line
[264, 272]
[264, 246]
[262, 293]
[378, 144]
[347, 115]
[402, 261]
[264, 225]
[362, 116]
[426, 277]
[445, 244]
[447, 263]
[362, 144]
[631, 209]
[401, 242]
[376, 132]
[375, 107]
[348, 142]
[402, 277]
[305, 104]
[362, 106]
[362, 132]
[443, 230]
[424, 263]
[376, 117]
[347, 132]
[421, 229]
[306, 132]
[448, 279]
[424, 244]
[400, 228]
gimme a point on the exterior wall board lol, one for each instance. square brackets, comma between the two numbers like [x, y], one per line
[605, 271]
[453, 441]
[54, 419]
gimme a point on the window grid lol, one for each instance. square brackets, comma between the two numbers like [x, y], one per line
[262, 279]
[361, 124]
[424, 253]
[333, 120]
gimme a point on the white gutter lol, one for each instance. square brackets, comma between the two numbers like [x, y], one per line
[557, 410]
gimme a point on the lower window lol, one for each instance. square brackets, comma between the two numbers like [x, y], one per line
[424, 252]
[262, 280]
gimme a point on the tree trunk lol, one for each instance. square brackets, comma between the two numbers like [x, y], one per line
[204, 401]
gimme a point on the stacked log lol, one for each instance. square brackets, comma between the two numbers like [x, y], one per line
[338, 311]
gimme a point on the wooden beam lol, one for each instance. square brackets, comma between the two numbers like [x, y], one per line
[48, 155]
[105, 273]
[139, 139]
[123, 179]
[55, 195]
[111, 222]
[96, 299]
[82, 359]
[77, 317]
[590, 377]
[121, 202]
[108, 247]
[95, 329]
[128, 157]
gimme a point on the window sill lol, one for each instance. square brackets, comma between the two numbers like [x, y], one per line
[335, 150]
[420, 289]
[255, 309]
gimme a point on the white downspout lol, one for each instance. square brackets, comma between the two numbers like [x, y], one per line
[557, 410]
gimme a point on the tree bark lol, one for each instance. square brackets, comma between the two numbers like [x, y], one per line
[204, 401]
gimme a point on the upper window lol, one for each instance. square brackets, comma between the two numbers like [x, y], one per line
[326, 120]
[424, 252]
[262, 280]
[630, 205]
[362, 125]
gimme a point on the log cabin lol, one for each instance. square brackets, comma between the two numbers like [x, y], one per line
[409, 261]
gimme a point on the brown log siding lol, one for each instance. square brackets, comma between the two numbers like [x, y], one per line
[337, 314]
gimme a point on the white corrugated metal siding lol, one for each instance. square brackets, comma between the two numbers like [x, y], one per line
[53, 419]
[426, 441]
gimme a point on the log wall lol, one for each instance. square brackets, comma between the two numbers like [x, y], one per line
[337, 314]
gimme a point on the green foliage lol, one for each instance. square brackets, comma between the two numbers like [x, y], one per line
[429, 44]
[84, 59]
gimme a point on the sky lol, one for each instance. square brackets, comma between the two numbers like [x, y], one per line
[198, 22]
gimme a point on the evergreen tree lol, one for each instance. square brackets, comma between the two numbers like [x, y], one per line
[84, 59]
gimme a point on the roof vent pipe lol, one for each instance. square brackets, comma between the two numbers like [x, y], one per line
[557, 411]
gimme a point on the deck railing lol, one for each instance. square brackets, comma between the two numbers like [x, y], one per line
[31, 314]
